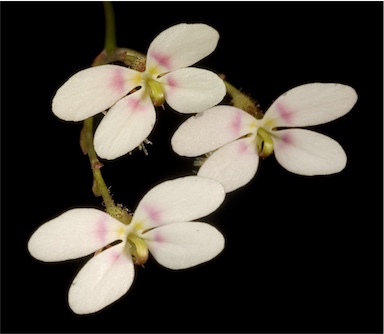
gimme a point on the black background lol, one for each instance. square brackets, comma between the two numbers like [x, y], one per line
[303, 254]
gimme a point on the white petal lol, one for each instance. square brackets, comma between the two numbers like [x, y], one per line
[310, 104]
[104, 279]
[211, 129]
[126, 125]
[180, 46]
[73, 234]
[181, 199]
[184, 245]
[192, 90]
[233, 165]
[92, 91]
[306, 152]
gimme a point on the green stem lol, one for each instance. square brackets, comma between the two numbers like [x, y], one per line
[111, 53]
[243, 101]
[99, 186]
[86, 138]
[110, 28]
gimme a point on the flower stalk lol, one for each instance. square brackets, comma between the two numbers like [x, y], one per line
[243, 101]
[99, 187]
[110, 28]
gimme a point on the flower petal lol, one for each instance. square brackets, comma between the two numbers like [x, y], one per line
[233, 165]
[180, 46]
[184, 245]
[104, 279]
[126, 125]
[192, 90]
[73, 234]
[92, 91]
[211, 129]
[181, 199]
[307, 152]
[310, 104]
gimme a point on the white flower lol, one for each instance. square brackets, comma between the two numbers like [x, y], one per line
[167, 77]
[161, 224]
[238, 139]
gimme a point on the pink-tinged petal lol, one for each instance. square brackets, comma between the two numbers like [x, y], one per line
[73, 234]
[212, 129]
[192, 90]
[180, 46]
[126, 125]
[233, 165]
[104, 279]
[185, 244]
[181, 199]
[307, 152]
[92, 91]
[310, 104]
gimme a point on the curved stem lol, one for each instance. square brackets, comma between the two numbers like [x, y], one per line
[99, 187]
[86, 138]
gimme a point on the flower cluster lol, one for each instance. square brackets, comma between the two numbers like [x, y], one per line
[231, 139]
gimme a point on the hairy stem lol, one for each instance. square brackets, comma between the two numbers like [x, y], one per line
[243, 101]
[86, 138]
[99, 187]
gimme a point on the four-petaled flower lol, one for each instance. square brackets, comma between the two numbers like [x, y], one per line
[161, 224]
[236, 139]
[130, 95]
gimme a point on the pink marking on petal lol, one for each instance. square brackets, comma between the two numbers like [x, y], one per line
[115, 256]
[118, 81]
[285, 139]
[101, 230]
[159, 236]
[243, 147]
[134, 104]
[236, 124]
[170, 86]
[162, 59]
[153, 213]
[284, 112]
[171, 82]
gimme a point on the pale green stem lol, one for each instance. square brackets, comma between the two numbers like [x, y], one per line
[110, 28]
[243, 101]
[86, 139]
[99, 186]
